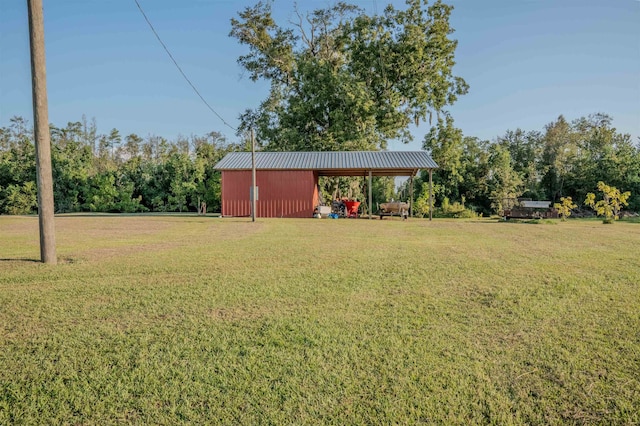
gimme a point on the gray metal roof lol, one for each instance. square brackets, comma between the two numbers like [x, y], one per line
[334, 163]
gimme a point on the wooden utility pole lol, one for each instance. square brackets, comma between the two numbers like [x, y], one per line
[42, 137]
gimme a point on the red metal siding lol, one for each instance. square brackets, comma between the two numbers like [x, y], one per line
[282, 193]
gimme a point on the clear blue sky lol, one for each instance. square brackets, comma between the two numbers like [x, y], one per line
[526, 61]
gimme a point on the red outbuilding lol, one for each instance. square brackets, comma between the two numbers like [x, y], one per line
[288, 181]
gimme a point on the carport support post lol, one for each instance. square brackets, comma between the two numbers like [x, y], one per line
[430, 194]
[411, 195]
[253, 178]
[370, 196]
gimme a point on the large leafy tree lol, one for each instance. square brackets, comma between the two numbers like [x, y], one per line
[208, 151]
[525, 149]
[445, 143]
[72, 166]
[344, 80]
[503, 181]
[559, 152]
[603, 155]
[475, 173]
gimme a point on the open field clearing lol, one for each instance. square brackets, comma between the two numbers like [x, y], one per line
[185, 319]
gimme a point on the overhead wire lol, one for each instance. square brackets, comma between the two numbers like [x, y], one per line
[179, 68]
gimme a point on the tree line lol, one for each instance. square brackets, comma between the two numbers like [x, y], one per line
[565, 159]
[95, 172]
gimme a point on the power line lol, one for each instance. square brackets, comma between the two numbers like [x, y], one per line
[180, 69]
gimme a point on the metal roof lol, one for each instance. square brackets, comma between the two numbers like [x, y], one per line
[334, 163]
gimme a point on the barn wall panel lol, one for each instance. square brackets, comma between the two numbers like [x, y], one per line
[282, 193]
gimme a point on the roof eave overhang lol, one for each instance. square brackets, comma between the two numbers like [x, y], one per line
[365, 172]
[347, 172]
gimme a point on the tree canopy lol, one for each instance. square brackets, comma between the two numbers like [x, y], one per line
[344, 80]
[566, 159]
[111, 173]
[108, 173]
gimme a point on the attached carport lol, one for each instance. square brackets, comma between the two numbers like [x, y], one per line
[289, 174]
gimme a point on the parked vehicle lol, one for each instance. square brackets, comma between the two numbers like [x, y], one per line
[525, 208]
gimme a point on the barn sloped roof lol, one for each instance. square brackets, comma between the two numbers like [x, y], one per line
[334, 163]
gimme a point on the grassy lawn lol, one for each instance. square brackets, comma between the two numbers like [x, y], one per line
[170, 320]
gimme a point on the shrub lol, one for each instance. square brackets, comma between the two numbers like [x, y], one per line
[455, 210]
[564, 207]
[610, 205]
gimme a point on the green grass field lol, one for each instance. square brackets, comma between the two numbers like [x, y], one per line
[185, 319]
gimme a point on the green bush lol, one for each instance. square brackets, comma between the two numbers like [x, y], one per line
[19, 199]
[456, 210]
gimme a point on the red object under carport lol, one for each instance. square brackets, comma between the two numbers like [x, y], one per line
[352, 208]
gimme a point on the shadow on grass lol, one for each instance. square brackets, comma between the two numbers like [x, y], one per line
[61, 260]
[150, 214]
[19, 259]
[531, 221]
